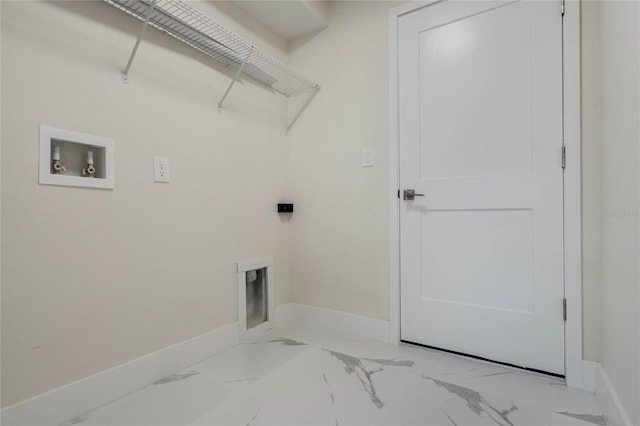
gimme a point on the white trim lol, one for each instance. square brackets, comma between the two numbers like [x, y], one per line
[612, 408]
[572, 235]
[589, 372]
[74, 399]
[394, 169]
[243, 267]
[398, 11]
[356, 325]
[249, 265]
[283, 313]
[0, 186]
[572, 195]
[394, 213]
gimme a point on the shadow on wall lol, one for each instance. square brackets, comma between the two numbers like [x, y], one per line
[105, 15]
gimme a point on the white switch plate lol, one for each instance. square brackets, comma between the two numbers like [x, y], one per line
[160, 169]
[367, 156]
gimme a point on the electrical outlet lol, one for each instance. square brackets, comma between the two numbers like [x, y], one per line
[160, 169]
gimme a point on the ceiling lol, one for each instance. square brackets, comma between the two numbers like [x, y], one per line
[290, 19]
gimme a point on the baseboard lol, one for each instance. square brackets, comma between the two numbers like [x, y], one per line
[74, 399]
[283, 313]
[612, 408]
[589, 372]
[358, 325]
[66, 402]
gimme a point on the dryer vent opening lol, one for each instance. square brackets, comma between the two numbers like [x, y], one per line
[256, 297]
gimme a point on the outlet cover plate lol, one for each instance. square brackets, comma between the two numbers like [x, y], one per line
[367, 156]
[160, 169]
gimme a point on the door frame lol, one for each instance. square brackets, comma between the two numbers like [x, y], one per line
[575, 369]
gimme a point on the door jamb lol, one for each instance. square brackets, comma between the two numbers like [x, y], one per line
[572, 186]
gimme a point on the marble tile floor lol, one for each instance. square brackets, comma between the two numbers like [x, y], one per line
[305, 375]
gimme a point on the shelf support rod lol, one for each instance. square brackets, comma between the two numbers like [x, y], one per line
[306, 103]
[235, 77]
[125, 74]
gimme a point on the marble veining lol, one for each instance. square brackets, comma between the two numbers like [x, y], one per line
[282, 340]
[333, 399]
[353, 365]
[254, 417]
[390, 362]
[76, 420]
[494, 374]
[476, 402]
[337, 379]
[249, 379]
[590, 418]
[331, 396]
[176, 377]
[449, 417]
[287, 342]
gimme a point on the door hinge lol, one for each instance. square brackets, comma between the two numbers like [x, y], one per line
[564, 309]
[398, 194]
[562, 8]
[564, 156]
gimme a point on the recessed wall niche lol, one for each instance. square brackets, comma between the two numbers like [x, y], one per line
[70, 158]
[255, 297]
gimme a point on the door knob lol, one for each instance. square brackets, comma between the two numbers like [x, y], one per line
[410, 194]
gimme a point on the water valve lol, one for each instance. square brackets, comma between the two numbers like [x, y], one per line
[56, 162]
[90, 170]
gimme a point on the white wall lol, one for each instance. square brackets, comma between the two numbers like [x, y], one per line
[93, 278]
[591, 200]
[339, 239]
[0, 201]
[318, 7]
[620, 114]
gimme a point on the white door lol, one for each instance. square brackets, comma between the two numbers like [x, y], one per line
[480, 113]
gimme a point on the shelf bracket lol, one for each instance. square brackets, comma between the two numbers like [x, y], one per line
[235, 78]
[304, 106]
[125, 74]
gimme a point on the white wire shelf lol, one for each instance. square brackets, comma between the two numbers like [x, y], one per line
[187, 24]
